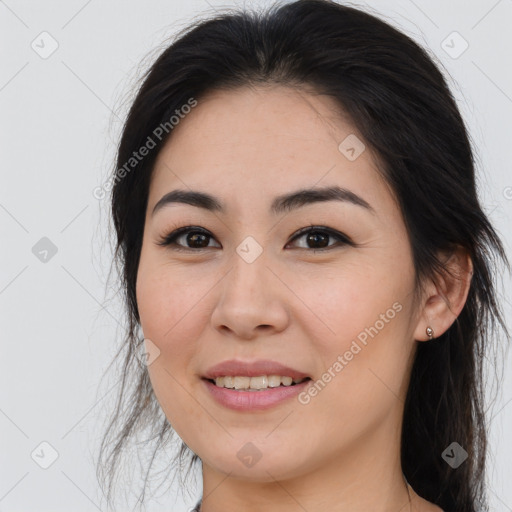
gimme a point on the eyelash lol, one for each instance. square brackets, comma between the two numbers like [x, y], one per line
[170, 239]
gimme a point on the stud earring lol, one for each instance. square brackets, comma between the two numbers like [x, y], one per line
[430, 333]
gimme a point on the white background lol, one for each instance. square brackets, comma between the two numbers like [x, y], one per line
[60, 119]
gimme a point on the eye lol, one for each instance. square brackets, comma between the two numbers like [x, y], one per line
[194, 238]
[195, 235]
[318, 236]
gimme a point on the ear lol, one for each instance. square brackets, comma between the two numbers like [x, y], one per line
[443, 300]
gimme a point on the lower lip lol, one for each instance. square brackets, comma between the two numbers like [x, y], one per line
[254, 400]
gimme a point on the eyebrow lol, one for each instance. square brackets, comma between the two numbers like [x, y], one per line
[281, 204]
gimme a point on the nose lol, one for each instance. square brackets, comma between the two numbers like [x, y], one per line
[252, 301]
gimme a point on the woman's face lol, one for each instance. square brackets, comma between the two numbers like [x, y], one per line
[243, 286]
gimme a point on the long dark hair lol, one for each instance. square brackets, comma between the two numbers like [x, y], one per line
[401, 104]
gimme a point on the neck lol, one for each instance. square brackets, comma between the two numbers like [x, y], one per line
[366, 476]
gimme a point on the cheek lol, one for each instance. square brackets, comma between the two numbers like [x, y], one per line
[167, 299]
[343, 302]
[360, 332]
[169, 309]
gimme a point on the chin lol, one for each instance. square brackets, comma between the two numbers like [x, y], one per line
[251, 461]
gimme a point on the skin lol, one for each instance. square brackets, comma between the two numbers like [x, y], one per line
[341, 451]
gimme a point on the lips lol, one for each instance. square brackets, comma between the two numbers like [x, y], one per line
[253, 401]
[256, 368]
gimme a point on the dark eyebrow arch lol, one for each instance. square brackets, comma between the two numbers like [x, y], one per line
[281, 204]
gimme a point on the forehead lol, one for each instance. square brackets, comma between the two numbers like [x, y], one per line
[257, 143]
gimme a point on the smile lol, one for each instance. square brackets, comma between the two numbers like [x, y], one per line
[255, 383]
[247, 399]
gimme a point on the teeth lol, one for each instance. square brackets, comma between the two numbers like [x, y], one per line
[254, 383]
[274, 381]
[242, 382]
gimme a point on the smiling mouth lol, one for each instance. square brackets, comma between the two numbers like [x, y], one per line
[260, 383]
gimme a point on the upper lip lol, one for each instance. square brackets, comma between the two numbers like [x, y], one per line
[256, 368]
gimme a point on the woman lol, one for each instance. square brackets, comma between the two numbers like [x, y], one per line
[306, 266]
